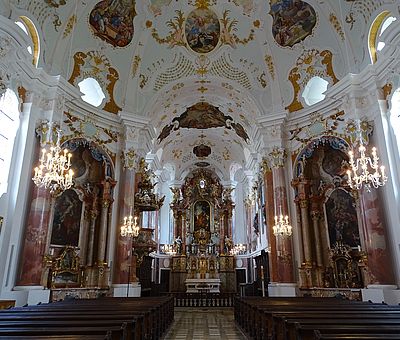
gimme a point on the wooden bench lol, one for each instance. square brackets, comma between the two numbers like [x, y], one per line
[282, 318]
[121, 318]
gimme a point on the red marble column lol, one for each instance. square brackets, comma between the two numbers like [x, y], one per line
[284, 244]
[269, 206]
[125, 262]
[375, 239]
[36, 231]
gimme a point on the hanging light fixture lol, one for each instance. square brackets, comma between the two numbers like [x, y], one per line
[130, 227]
[282, 226]
[365, 170]
[238, 249]
[54, 171]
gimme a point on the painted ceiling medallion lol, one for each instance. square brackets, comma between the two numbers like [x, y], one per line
[294, 20]
[202, 151]
[112, 21]
[202, 30]
[203, 116]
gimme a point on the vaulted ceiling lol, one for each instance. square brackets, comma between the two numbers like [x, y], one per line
[164, 56]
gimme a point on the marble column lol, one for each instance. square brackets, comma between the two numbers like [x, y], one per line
[36, 230]
[269, 206]
[284, 244]
[125, 261]
[107, 199]
[375, 239]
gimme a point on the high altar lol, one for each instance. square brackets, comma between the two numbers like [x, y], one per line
[202, 210]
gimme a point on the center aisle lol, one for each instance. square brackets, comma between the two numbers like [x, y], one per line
[204, 323]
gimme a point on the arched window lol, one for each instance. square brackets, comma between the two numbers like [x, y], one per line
[92, 92]
[375, 41]
[9, 121]
[29, 28]
[314, 90]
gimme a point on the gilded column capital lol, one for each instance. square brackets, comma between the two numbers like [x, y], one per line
[303, 203]
[130, 159]
[277, 157]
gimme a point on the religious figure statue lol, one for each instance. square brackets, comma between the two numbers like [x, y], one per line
[227, 244]
[178, 245]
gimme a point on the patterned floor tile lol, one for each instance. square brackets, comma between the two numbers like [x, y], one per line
[204, 324]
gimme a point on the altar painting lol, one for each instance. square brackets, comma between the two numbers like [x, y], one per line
[202, 215]
[293, 21]
[342, 219]
[202, 30]
[67, 217]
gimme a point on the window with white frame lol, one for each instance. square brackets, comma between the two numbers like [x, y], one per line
[314, 90]
[9, 121]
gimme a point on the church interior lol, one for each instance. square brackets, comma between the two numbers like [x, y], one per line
[173, 148]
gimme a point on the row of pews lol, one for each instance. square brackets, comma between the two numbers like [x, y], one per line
[104, 318]
[300, 318]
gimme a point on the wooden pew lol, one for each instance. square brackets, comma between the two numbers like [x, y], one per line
[272, 318]
[142, 318]
[359, 336]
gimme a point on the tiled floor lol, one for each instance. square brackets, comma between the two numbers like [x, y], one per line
[204, 324]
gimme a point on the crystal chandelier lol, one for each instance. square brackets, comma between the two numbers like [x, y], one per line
[168, 249]
[282, 226]
[130, 227]
[238, 249]
[365, 170]
[54, 171]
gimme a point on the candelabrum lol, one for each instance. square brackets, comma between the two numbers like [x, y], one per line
[168, 249]
[238, 249]
[130, 227]
[365, 170]
[282, 226]
[54, 171]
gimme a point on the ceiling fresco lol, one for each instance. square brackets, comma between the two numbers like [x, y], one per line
[243, 58]
[112, 21]
[202, 116]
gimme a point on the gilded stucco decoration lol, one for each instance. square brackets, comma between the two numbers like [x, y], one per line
[69, 27]
[354, 129]
[293, 21]
[130, 159]
[228, 37]
[135, 65]
[319, 126]
[336, 25]
[364, 9]
[46, 11]
[95, 65]
[157, 6]
[224, 67]
[112, 21]
[312, 63]
[183, 67]
[202, 30]
[247, 5]
[202, 116]
[88, 129]
[270, 65]
[175, 35]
